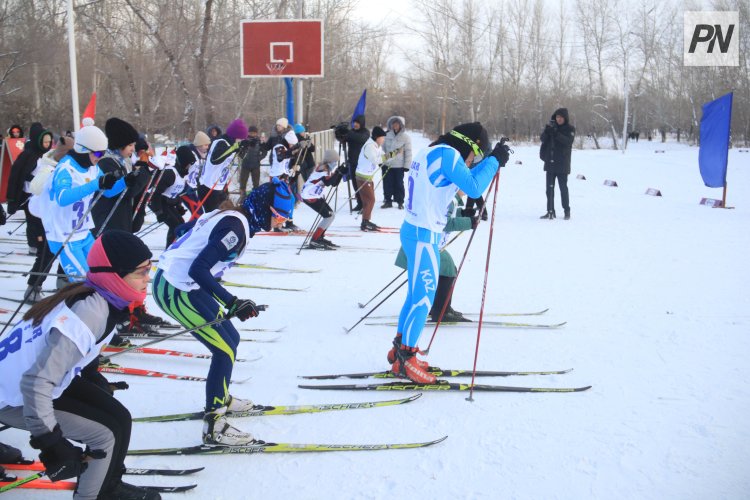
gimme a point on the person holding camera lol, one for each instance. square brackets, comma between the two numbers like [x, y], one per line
[557, 144]
[355, 140]
[256, 151]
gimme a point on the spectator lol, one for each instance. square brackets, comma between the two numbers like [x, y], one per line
[15, 132]
[255, 153]
[213, 132]
[355, 139]
[396, 139]
[557, 143]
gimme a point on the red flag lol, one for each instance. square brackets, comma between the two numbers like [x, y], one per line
[90, 110]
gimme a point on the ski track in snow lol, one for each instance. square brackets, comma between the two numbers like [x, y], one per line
[654, 293]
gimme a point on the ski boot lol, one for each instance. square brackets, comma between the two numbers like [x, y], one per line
[391, 356]
[125, 491]
[218, 431]
[237, 404]
[33, 294]
[407, 366]
[453, 316]
[327, 242]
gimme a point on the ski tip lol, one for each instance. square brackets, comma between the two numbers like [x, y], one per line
[414, 398]
[438, 440]
[346, 330]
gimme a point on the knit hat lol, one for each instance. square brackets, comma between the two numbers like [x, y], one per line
[90, 139]
[299, 128]
[237, 129]
[185, 156]
[141, 144]
[114, 255]
[377, 132]
[330, 156]
[282, 122]
[87, 121]
[252, 128]
[201, 139]
[463, 137]
[119, 133]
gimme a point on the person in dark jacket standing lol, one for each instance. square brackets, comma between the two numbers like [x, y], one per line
[355, 139]
[256, 151]
[557, 143]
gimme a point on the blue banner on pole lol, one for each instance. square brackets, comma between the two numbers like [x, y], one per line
[714, 149]
[359, 109]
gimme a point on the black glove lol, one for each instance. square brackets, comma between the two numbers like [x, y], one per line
[118, 386]
[108, 180]
[181, 209]
[243, 309]
[132, 178]
[3, 217]
[343, 169]
[243, 147]
[468, 212]
[501, 153]
[12, 207]
[61, 459]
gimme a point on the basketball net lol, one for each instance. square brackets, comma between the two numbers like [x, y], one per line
[275, 68]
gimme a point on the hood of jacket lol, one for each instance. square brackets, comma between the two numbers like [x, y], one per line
[394, 119]
[562, 112]
[36, 134]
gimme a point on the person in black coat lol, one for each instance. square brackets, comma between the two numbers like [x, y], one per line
[256, 151]
[121, 137]
[355, 139]
[165, 202]
[557, 144]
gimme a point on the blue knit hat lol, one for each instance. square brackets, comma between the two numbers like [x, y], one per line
[283, 199]
[275, 193]
[299, 128]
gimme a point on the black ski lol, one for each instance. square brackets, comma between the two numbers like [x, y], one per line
[438, 372]
[264, 447]
[36, 465]
[441, 385]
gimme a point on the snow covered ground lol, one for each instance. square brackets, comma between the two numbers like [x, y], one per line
[654, 292]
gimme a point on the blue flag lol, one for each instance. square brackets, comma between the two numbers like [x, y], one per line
[714, 149]
[359, 109]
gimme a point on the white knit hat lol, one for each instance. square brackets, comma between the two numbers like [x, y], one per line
[90, 138]
[282, 122]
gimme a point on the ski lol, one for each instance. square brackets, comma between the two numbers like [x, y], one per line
[535, 313]
[244, 285]
[157, 336]
[438, 372]
[260, 410]
[38, 484]
[264, 447]
[164, 352]
[441, 385]
[35, 465]
[271, 268]
[474, 324]
[122, 370]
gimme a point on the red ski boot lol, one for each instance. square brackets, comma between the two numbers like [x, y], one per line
[407, 365]
[391, 356]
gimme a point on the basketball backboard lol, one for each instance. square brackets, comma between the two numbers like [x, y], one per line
[281, 48]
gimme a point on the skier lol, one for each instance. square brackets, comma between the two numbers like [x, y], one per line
[216, 171]
[67, 196]
[283, 168]
[185, 288]
[325, 174]
[200, 145]
[437, 173]
[117, 206]
[458, 220]
[49, 383]
[370, 158]
[165, 202]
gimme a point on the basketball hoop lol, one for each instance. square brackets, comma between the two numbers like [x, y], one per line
[275, 68]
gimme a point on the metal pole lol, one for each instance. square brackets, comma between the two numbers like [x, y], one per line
[73, 67]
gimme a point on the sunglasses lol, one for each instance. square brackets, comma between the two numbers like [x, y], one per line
[478, 154]
[97, 154]
[277, 217]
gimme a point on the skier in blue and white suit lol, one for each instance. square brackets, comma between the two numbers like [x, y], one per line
[66, 200]
[436, 174]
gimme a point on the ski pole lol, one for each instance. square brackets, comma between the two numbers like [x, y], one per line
[19, 226]
[232, 165]
[362, 306]
[458, 272]
[83, 219]
[260, 307]
[145, 230]
[111, 212]
[145, 192]
[348, 330]
[22, 481]
[484, 290]
[35, 273]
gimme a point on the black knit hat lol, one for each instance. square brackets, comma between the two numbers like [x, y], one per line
[119, 133]
[456, 138]
[377, 132]
[141, 144]
[124, 250]
[185, 156]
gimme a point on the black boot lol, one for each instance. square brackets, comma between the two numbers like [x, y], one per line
[567, 215]
[549, 215]
[125, 491]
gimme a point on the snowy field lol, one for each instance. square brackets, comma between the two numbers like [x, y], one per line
[654, 292]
